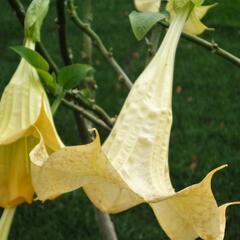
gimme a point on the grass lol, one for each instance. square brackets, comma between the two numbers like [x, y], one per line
[206, 119]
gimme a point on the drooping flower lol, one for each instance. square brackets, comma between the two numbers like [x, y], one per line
[147, 5]
[26, 122]
[24, 115]
[193, 24]
[132, 167]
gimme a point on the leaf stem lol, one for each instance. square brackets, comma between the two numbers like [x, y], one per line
[57, 102]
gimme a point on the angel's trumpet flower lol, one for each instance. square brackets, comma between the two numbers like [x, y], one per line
[193, 24]
[133, 165]
[24, 115]
[147, 5]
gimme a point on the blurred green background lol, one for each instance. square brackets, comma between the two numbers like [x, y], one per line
[206, 118]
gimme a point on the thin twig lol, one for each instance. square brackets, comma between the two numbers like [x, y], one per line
[62, 34]
[211, 46]
[86, 114]
[99, 111]
[85, 27]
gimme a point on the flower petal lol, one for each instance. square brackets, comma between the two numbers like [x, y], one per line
[70, 168]
[194, 25]
[20, 103]
[147, 5]
[46, 127]
[137, 146]
[191, 213]
[222, 210]
[15, 175]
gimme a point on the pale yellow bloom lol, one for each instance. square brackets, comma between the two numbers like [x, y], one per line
[24, 115]
[193, 24]
[132, 167]
[147, 5]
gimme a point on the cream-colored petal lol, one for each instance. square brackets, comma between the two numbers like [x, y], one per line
[110, 197]
[201, 11]
[191, 213]
[15, 175]
[173, 223]
[194, 25]
[70, 168]
[147, 5]
[20, 104]
[138, 144]
[222, 210]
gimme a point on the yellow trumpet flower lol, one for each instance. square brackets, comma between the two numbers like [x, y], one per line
[132, 167]
[147, 5]
[24, 115]
[193, 24]
[26, 127]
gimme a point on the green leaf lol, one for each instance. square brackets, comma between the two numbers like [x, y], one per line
[35, 15]
[48, 80]
[142, 22]
[71, 76]
[86, 94]
[32, 57]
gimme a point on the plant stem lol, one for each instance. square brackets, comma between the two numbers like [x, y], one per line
[62, 33]
[85, 27]
[106, 226]
[99, 111]
[87, 17]
[211, 46]
[57, 102]
[6, 222]
[86, 114]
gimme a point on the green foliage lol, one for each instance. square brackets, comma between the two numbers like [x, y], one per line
[71, 76]
[49, 81]
[142, 22]
[32, 57]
